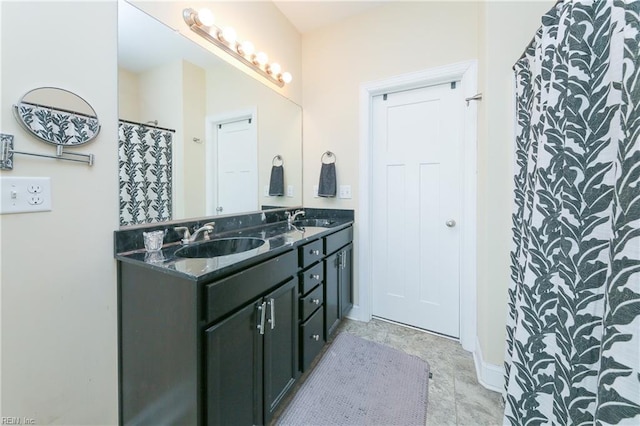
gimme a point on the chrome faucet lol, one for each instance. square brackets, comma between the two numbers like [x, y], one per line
[292, 217]
[187, 238]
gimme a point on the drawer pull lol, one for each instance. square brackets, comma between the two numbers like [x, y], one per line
[314, 276]
[314, 252]
[316, 337]
[315, 301]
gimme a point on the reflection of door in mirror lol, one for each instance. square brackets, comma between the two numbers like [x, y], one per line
[237, 167]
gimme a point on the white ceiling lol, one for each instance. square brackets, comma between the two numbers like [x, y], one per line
[310, 15]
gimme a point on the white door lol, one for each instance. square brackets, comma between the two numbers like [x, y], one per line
[237, 167]
[416, 200]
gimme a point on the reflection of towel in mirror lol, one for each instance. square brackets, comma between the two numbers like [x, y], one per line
[276, 185]
[327, 184]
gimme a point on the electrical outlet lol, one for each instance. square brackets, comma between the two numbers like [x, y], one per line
[34, 188]
[25, 194]
[35, 200]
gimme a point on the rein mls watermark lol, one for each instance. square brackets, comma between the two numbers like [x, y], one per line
[17, 421]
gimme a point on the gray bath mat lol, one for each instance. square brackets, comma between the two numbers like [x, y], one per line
[359, 382]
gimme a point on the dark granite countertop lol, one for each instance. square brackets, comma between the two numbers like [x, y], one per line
[279, 237]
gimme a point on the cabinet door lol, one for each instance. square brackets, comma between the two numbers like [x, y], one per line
[346, 280]
[233, 362]
[280, 345]
[331, 294]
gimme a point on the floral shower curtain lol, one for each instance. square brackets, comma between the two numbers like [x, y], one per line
[573, 332]
[145, 173]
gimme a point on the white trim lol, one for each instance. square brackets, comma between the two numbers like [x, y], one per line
[211, 193]
[490, 376]
[466, 73]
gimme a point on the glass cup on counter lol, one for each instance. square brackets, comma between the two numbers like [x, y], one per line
[153, 240]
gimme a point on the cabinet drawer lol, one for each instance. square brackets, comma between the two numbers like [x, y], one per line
[311, 278]
[311, 302]
[338, 240]
[310, 253]
[225, 296]
[311, 338]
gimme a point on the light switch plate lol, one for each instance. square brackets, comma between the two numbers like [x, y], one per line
[25, 194]
[266, 190]
[289, 190]
[345, 191]
[315, 191]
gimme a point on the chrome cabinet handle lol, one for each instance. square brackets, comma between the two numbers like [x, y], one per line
[262, 312]
[314, 252]
[315, 301]
[314, 276]
[272, 310]
[450, 223]
[316, 337]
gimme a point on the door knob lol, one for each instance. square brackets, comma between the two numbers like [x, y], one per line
[450, 223]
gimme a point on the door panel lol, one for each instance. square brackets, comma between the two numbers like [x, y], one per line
[416, 176]
[234, 370]
[237, 167]
[280, 345]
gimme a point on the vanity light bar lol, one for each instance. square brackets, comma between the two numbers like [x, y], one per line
[201, 23]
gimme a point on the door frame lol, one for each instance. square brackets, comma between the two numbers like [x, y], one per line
[466, 72]
[211, 151]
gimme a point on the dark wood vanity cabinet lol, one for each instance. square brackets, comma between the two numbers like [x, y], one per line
[224, 352]
[251, 359]
[338, 287]
[227, 351]
[326, 290]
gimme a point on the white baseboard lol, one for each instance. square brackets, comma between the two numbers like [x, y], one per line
[356, 314]
[490, 376]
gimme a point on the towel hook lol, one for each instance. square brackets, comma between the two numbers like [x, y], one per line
[276, 159]
[328, 154]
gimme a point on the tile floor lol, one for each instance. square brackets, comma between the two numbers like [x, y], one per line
[455, 396]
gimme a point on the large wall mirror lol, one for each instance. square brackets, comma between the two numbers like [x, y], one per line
[198, 137]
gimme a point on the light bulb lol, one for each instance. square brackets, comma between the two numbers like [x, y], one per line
[286, 77]
[274, 68]
[228, 34]
[205, 17]
[261, 58]
[246, 48]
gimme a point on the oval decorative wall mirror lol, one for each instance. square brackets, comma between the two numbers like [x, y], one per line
[57, 116]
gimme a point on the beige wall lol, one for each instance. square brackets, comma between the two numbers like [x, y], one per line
[279, 126]
[402, 37]
[393, 39]
[194, 90]
[128, 95]
[506, 28]
[58, 276]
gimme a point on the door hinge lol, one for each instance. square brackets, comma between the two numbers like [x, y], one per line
[453, 84]
[384, 97]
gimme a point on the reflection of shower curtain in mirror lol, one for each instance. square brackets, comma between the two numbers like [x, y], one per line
[145, 173]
